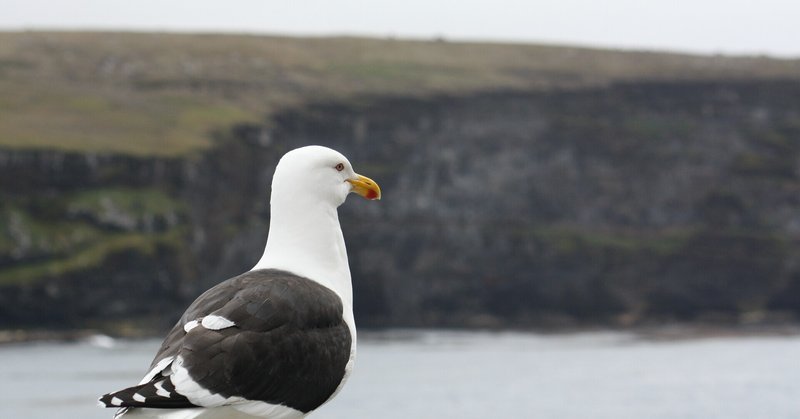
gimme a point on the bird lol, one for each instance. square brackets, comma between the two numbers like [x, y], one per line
[279, 340]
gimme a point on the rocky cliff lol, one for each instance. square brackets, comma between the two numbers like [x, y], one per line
[623, 204]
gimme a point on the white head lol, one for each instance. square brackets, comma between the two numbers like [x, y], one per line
[318, 175]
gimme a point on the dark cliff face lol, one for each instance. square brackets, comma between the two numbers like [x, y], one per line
[624, 204]
[633, 202]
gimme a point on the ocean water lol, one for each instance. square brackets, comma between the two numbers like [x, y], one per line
[438, 374]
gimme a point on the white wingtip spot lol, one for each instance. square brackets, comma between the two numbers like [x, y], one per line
[115, 401]
[101, 404]
[190, 325]
[160, 389]
[216, 322]
[138, 397]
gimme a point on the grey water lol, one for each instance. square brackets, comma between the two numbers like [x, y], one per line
[441, 374]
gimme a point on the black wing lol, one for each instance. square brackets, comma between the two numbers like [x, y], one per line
[288, 344]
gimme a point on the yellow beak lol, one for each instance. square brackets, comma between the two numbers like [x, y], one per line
[365, 187]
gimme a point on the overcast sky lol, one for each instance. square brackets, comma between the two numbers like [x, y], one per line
[706, 26]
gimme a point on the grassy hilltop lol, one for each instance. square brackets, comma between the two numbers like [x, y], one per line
[164, 94]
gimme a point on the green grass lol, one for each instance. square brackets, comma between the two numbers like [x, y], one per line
[44, 237]
[53, 237]
[170, 124]
[134, 202]
[83, 259]
[163, 94]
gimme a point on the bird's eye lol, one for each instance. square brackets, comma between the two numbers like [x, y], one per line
[340, 167]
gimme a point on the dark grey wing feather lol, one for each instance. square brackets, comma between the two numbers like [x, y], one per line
[205, 304]
[289, 344]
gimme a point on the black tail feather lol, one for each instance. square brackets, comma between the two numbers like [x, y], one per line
[158, 393]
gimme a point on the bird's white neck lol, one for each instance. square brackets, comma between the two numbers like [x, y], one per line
[305, 239]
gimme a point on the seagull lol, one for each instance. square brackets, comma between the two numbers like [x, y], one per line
[280, 340]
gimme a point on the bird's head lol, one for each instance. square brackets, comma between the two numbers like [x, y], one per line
[320, 174]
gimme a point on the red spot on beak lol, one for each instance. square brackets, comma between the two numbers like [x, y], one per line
[365, 187]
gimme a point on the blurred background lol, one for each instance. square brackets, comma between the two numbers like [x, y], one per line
[590, 209]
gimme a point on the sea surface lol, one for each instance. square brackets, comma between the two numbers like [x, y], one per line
[442, 374]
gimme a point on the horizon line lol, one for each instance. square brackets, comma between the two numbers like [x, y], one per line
[554, 43]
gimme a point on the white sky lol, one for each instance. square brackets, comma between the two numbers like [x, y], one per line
[769, 27]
